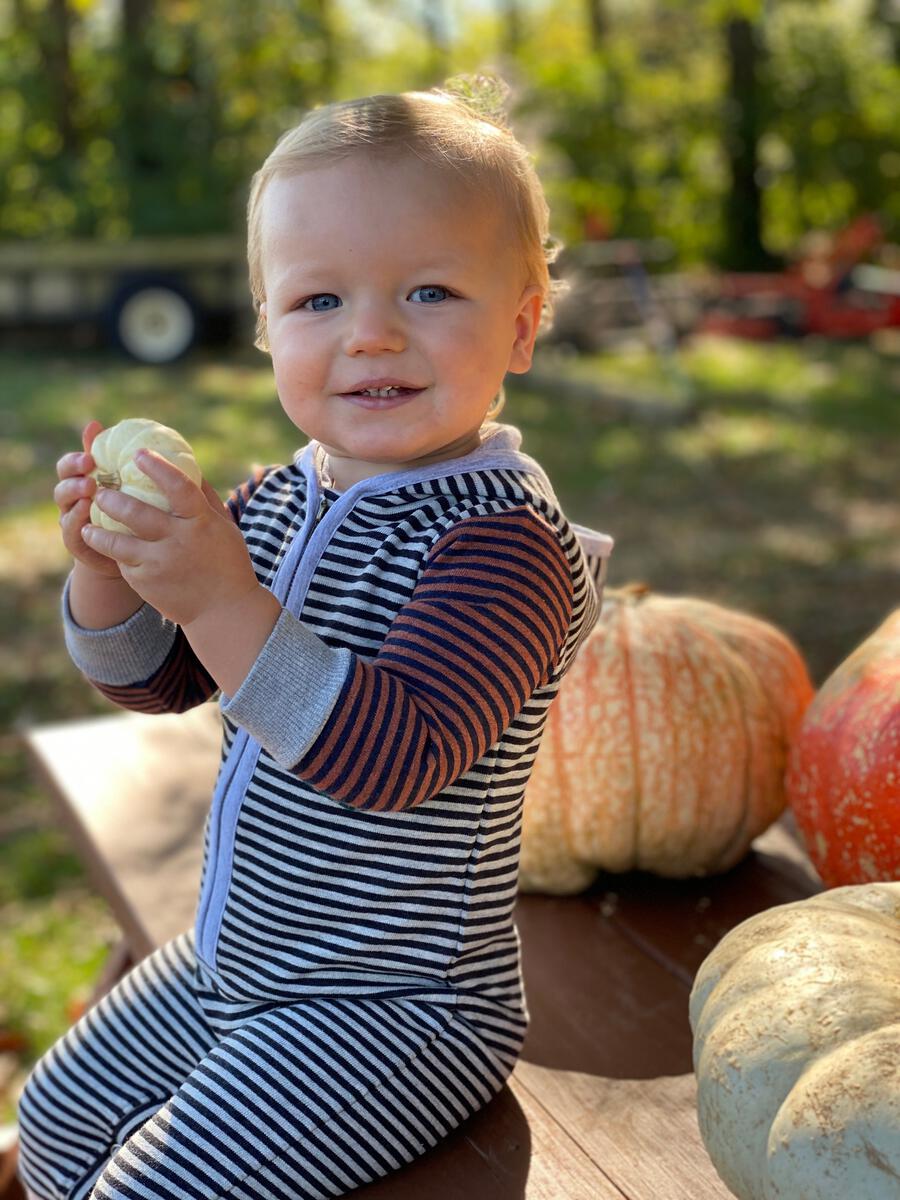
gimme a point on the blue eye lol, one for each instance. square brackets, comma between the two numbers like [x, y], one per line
[432, 288]
[321, 296]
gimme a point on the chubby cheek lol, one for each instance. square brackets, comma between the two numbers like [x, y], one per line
[297, 375]
[481, 365]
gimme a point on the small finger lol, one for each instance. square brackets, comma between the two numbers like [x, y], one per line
[111, 544]
[72, 489]
[75, 463]
[88, 434]
[72, 517]
[144, 520]
[183, 495]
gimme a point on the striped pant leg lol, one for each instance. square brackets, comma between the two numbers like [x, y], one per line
[309, 1101]
[110, 1071]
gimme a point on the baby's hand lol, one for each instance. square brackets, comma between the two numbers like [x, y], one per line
[185, 561]
[73, 495]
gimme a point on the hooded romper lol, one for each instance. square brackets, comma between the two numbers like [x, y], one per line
[351, 990]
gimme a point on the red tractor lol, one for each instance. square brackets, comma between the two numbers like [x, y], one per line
[828, 291]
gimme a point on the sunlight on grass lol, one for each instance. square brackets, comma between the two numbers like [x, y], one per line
[833, 383]
[30, 546]
[736, 436]
[51, 951]
[773, 368]
[618, 448]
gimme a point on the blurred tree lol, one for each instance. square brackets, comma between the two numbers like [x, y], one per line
[54, 38]
[887, 14]
[630, 127]
[147, 116]
[435, 24]
[597, 22]
[511, 17]
[742, 248]
[324, 18]
[729, 127]
[831, 148]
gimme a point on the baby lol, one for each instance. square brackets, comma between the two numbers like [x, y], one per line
[386, 620]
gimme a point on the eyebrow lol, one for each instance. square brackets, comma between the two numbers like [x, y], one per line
[315, 269]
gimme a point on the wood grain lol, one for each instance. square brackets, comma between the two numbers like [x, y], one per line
[641, 1133]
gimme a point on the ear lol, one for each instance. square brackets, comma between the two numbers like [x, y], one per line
[528, 318]
[263, 309]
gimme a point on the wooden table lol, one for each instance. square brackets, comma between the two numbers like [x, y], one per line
[602, 1103]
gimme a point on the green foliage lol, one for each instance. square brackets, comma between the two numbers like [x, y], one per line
[102, 134]
[635, 129]
[831, 149]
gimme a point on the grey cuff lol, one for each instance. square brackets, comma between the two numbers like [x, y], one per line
[290, 691]
[124, 654]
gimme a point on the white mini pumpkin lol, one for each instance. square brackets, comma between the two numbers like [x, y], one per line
[796, 1022]
[114, 449]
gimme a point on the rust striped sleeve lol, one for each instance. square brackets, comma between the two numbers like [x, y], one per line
[239, 497]
[181, 681]
[484, 628]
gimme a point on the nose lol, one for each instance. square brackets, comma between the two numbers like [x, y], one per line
[373, 328]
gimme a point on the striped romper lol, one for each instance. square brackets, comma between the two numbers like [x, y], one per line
[351, 990]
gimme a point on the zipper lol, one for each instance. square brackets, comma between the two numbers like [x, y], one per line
[206, 945]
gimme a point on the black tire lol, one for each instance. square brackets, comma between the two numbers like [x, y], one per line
[154, 320]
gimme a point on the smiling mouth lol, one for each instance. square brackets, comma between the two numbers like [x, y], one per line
[382, 398]
[385, 393]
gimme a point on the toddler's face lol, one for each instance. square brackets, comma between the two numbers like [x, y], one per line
[380, 272]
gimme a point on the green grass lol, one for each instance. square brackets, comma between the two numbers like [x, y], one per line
[778, 497]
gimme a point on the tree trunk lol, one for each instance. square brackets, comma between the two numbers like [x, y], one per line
[137, 74]
[887, 14]
[55, 40]
[136, 15]
[597, 23]
[512, 27]
[743, 249]
[328, 77]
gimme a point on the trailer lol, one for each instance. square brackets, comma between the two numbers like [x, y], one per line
[154, 298]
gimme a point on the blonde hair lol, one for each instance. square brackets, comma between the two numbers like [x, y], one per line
[461, 128]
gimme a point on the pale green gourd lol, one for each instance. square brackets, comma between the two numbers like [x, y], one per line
[796, 1022]
[114, 450]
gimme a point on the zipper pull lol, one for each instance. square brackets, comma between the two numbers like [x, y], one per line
[323, 501]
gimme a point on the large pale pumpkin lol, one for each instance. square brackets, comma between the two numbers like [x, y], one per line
[796, 1028]
[665, 747]
[113, 451]
[843, 780]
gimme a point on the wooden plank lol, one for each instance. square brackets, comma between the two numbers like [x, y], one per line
[145, 855]
[597, 1002]
[677, 922]
[642, 1134]
[558, 1167]
[512, 1150]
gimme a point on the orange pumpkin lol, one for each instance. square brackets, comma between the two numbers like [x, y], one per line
[665, 748]
[843, 779]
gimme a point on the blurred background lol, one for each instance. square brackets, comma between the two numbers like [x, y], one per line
[719, 390]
